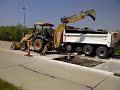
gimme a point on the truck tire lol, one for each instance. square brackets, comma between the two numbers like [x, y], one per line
[79, 49]
[23, 46]
[102, 52]
[38, 45]
[88, 50]
[69, 47]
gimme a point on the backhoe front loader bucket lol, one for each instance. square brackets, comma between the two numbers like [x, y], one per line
[91, 13]
[15, 45]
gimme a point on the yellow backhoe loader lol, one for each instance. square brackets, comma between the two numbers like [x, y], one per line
[37, 39]
[46, 40]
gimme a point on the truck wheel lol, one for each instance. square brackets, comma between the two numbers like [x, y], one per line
[88, 50]
[102, 52]
[23, 46]
[38, 45]
[79, 49]
[69, 47]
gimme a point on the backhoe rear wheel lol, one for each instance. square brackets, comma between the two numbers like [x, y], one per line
[38, 45]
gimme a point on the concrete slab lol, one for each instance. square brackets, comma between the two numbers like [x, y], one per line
[111, 83]
[9, 58]
[42, 73]
[78, 74]
[30, 80]
[5, 44]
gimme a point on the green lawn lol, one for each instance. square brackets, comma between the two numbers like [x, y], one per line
[7, 86]
[117, 51]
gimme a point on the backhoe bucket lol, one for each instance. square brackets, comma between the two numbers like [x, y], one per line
[91, 13]
[15, 45]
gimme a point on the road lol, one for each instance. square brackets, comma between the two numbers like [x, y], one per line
[43, 73]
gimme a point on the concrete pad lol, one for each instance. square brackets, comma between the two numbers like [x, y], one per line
[5, 44]
[111, 83]
[74, 73]
[30, 80]
[12, 58]
[41, 73]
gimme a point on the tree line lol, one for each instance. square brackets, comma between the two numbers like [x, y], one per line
[13, 33]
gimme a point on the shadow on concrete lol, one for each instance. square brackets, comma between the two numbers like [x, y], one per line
[116, 56]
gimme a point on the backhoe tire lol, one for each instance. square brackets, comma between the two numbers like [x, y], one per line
[38, 45]
[23, 46]
[102, 52]
[88, 50]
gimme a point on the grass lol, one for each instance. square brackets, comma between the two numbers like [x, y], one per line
[7, 86]
[117, 51]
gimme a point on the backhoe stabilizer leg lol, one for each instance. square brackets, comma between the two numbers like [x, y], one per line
[44, 50]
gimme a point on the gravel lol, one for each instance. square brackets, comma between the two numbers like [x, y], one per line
[111, 66]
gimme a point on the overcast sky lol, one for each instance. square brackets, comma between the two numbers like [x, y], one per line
[108, 12]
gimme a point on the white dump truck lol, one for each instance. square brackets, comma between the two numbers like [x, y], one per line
[89, 42]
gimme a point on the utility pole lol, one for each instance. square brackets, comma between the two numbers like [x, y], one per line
[24, 8]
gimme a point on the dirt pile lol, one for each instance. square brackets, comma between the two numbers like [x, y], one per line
[79, 61]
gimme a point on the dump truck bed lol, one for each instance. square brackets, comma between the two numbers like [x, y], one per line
[91, 37]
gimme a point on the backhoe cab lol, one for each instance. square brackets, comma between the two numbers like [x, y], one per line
[44, 27]
[42, 35]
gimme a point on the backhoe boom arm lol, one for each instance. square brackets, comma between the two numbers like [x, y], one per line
[74, 18]
[79, 16]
